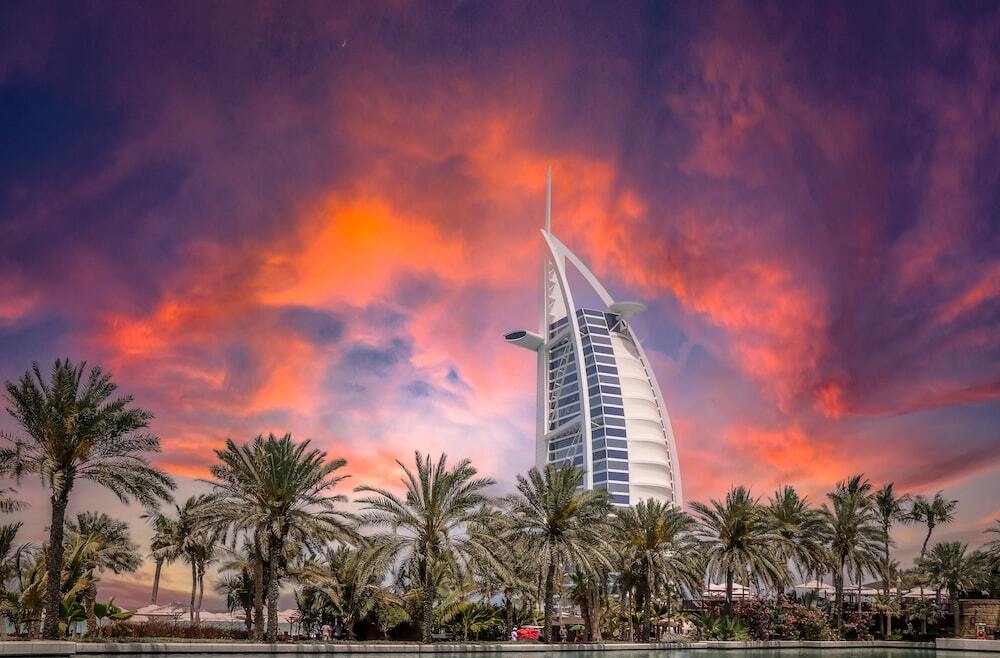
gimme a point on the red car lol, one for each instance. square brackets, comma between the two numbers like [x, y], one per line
[528, 633]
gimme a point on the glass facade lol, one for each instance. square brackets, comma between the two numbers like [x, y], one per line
[599, 406]
[565, 419]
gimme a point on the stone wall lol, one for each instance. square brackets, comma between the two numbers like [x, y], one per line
[982, 611]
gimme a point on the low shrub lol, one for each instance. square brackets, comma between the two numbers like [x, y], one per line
[167, 629]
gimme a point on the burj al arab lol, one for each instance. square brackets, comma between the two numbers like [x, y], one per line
[599, 406]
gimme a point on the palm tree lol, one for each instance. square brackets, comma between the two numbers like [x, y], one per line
[655, 541]
[738, 541]
[351, 584]
[890, 508]
[948, 567]
[108, 546]
[237, 588]
[799, 531]
[438, 521]
[937, 511]
[159, 547]
[584, 592]
[552, 518]
[77, 431]
[279, 490]
[189, 538]
[855, 535]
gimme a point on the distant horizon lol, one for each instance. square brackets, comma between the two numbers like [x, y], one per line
[322, 219]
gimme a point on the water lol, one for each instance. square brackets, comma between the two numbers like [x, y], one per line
[859, 652]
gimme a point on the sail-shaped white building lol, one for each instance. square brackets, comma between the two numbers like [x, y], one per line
[599, 406]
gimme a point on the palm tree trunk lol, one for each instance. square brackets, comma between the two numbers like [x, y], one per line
[550, 578]
[427, 603]
[156, 579]
[89, 598]
[508, 616]
[194, 590]
[645, 630]
[273, 555]
[258, 587]
[54, 562]
[201, 591]
[885, 578]
[729, 591]
[923, 552]
[838, 585]
[593, 605]
[955, 613]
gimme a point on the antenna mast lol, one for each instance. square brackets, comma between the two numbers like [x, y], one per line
[548, 202]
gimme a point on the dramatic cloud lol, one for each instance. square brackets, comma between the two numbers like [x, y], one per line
[315, 219]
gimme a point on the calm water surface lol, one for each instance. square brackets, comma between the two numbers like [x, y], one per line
[860, 652]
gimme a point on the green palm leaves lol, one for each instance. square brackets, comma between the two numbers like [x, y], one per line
[656, 545]
[277, 491]
[856, 537]
[552, 518]
[736, 539]
[442, 519]
[77, 430]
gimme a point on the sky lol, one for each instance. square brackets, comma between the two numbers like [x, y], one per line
[321, 218]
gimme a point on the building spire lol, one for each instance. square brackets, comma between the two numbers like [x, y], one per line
[548, 202]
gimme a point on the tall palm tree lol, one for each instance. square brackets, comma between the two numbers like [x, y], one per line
[77, 431]
[439, 520]
[855, 535]
[948, 567]
[552, 518]
[890, 508]
[738, 541]
[159, 547]
[107, 546]
[279, 490]
[932, 513]
[188, 537]
[799, 531]
[655, 541]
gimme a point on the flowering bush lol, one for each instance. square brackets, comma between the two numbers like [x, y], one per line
[859, 626]
[783, 620]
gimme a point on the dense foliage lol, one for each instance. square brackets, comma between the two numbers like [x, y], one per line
[440, 555]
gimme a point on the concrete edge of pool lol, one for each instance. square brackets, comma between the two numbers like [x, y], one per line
[43, 648]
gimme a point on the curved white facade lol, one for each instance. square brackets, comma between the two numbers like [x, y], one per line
[599, 406]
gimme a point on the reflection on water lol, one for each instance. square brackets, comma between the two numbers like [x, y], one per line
[860, 652]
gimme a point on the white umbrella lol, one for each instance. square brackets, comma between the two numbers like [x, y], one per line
[814, 585]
